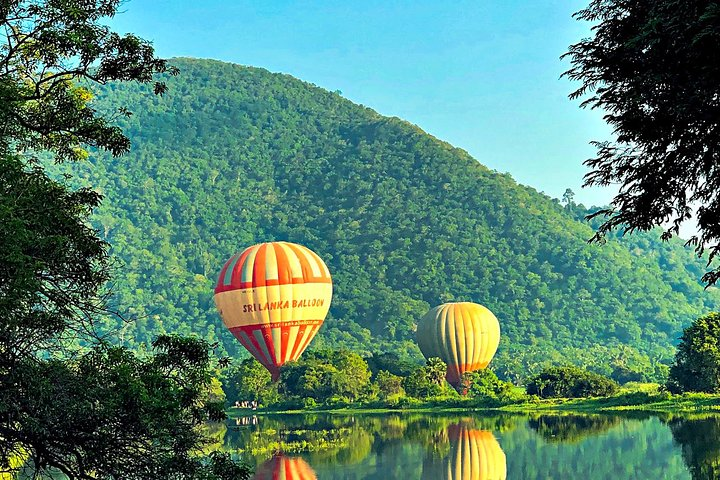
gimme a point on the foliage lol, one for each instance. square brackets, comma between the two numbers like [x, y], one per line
[71, 404]
[389, 385]
[66, 414]
[249, 381]
[47, 47]
[427, 381]
[623, 375]
[233, 156]
[649, 66]
[326, 375]
[51, 263]
[697, 361]
[485, 385]
[390, 362]
[570, 382]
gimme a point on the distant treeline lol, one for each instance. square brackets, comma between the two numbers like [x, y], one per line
[340, 378]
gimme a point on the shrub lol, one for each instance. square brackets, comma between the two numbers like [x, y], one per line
[389, 385]
[570, 382]
[485, 385]
[623, 375]
[427, 381]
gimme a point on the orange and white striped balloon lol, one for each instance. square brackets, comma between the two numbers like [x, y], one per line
[274, 297]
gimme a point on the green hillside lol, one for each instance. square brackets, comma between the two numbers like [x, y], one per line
[232, 156]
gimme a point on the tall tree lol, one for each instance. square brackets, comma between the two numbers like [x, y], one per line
[70, 402]
[652, 67]
[697, 361]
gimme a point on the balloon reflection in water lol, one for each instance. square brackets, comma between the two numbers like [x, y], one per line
[474, 455]
[281, 467]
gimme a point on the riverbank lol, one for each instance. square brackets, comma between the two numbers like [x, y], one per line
[632, 401]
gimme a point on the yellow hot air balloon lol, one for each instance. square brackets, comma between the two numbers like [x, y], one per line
[274, 297]
[464, 335]
[281, 467]
[474, 455]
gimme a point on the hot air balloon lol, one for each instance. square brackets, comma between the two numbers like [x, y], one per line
[464, 335]
[474, 455]
[274, 297]
[281, 467]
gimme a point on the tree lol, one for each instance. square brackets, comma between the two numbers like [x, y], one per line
[324, 374]
[308, 379]
[70, 402]
[697, 361]
[390, 362]
[250, 381]
[427, 381]
[485, 385]
[49, 46]
[623, 375]
[353, 377]
[570, 382]
[650, 66]
[435, 370]
[389, 385]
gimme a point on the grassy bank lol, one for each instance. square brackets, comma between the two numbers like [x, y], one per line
[688, 402]
[645, 399]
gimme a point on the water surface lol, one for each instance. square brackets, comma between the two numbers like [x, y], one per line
[477, 447]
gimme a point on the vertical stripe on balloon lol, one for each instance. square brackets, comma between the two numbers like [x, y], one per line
[274, 297]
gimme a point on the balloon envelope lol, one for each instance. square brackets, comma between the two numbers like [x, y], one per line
[474, 455]
[281, 467]
[274, 297]
[464, 335]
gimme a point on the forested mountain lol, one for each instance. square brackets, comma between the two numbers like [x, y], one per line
[231, 156]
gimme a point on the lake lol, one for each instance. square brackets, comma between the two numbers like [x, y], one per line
[411, 446]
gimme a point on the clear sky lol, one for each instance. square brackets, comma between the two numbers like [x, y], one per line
[482, 75]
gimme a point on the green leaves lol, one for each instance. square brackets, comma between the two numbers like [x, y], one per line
[70, 403]
[108, 414]
[570, 382]
[47, 48]
[650, 67]
[324, 375]
[697, 361]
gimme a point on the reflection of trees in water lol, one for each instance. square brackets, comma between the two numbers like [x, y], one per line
[473, 454]
[355, 447]
[346, 440]
[326, 439]
[399, 445]
[571, 428]
[699, 438]
[282, 467]
[431, 431]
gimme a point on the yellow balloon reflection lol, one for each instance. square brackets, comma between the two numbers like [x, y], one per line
[281, 467]
[474, 455]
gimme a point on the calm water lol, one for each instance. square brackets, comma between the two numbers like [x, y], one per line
[474, 447]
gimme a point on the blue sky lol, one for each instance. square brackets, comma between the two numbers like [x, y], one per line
[482, 75]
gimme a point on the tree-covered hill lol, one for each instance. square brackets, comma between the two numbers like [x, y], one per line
[232, 156]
